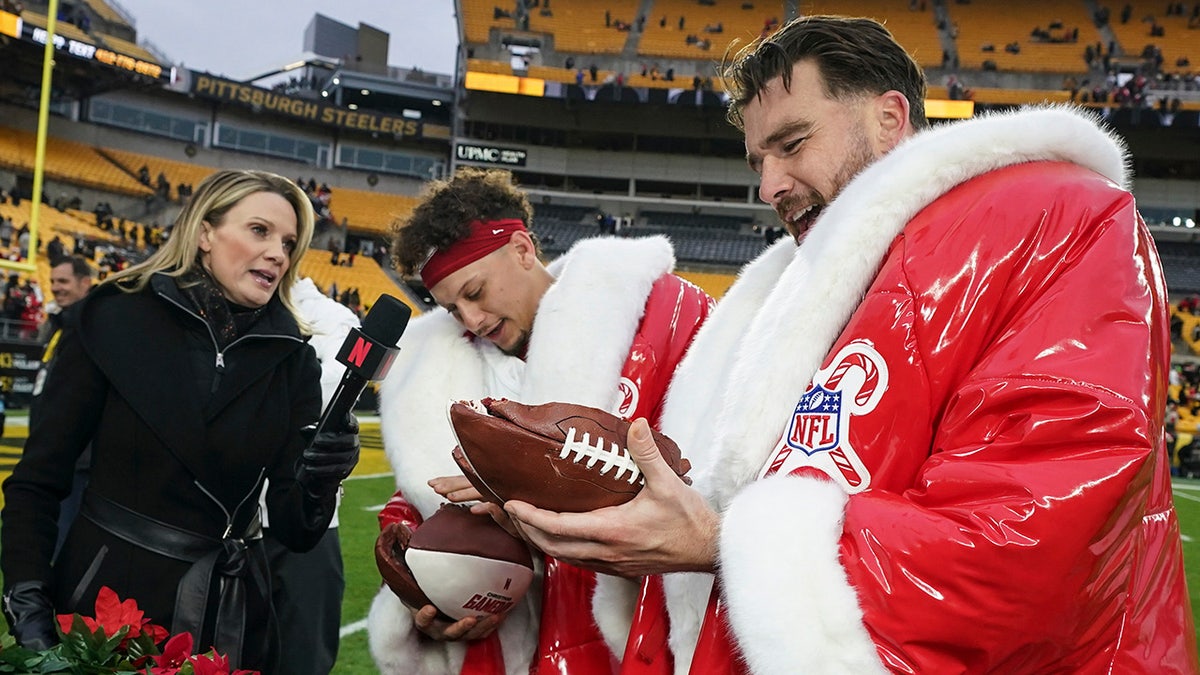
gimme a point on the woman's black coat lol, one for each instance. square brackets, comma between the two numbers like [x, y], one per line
[174, 436]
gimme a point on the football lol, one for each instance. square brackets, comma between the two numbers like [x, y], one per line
[461, 563]
[557, 456]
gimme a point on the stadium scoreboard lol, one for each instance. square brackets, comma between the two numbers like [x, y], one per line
[13, 26]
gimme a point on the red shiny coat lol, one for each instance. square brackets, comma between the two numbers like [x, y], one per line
[1009, 504]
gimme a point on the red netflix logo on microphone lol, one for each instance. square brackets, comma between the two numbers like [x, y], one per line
[366, 357]
[358, 355]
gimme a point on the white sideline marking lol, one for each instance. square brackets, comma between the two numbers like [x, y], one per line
[1180, 495]
[368, 475]
[351, 628]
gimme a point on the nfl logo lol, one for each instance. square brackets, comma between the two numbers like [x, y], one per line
[814, 427]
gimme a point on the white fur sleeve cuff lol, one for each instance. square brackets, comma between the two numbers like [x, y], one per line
[790, 604]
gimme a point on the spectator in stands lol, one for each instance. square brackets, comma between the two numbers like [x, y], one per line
[55, 249]
[532, 335]
[6, 231]
[144, 175]
[23, 241]
[956, 90]
[70, 281]
[171, 508]
[953, 328]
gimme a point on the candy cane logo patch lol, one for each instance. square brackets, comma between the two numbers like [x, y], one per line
[627, 397]
[817, 434]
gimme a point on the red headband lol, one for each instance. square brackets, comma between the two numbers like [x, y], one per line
[485, 237]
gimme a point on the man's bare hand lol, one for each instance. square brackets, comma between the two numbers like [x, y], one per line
[470, 628]
[458, 489]
[667, 527]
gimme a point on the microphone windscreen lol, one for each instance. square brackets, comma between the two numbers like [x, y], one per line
[386, 320]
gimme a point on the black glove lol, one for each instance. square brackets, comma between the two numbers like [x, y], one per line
[30, 615]
[329, 458]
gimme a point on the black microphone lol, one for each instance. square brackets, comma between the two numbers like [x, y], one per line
[367, 354]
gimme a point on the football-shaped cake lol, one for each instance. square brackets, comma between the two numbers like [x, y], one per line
[461, 563]
[556, 456]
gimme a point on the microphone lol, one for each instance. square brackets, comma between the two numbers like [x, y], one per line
[367, 353]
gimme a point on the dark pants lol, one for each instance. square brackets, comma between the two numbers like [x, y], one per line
[307, 593]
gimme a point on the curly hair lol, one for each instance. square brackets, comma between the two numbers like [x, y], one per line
[447, 209]
[855, 56]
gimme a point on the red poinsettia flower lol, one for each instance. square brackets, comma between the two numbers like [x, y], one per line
[175, 653]
[113, 614]
[65, 621]
[215, 664]
[138, 651]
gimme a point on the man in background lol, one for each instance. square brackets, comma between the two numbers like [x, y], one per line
[70, 281]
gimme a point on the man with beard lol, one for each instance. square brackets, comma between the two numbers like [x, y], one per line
[604, 325]
[927, 434]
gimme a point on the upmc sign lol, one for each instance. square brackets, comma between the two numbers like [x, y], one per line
[490, 154]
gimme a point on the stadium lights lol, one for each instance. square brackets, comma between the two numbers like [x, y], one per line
[1176, 221]
[436, 102]
[337, 80]
[293, 66]
[1190, 222]
[325, 94]
[365, 92]
[353, 106]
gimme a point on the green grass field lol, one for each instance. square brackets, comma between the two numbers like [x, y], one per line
[371, 485]
[1187, 504]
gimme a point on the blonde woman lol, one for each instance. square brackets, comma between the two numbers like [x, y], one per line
[191, 377]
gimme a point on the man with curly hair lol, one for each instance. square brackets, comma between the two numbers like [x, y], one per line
[604, 325]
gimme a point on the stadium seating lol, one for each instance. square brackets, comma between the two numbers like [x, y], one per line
[916, 30]
[126, 47]
[713, 283]
[692, 244]
[668, 40]
[175, 171]
[578, 27]
[366, 275]
[564, 212]
[67, 30]
[996, 23]
[1176, 41]
[1181, 266]
[67, 161]
[477, 20]
[700, 220]
[373, 212]
[105, 11]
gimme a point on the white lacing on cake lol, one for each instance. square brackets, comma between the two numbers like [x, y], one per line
[615, 457]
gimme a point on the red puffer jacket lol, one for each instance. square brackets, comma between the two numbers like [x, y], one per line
[994, 493]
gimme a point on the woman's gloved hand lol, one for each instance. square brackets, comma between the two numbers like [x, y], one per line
[329, 458]
[30, 614]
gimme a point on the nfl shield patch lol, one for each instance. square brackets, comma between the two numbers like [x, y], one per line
[814, 427]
